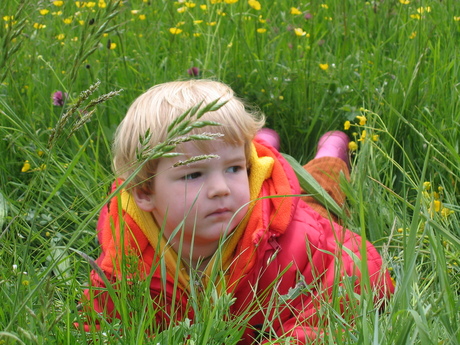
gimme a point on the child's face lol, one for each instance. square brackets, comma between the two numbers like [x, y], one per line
[207, 193]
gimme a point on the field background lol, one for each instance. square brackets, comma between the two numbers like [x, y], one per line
[309, 66]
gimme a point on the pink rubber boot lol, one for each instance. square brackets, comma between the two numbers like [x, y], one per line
[270, 137]
[333, 144]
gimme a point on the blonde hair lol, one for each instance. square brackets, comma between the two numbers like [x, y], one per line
[158, 107]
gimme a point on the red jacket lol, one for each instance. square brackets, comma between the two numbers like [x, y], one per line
[281, 234]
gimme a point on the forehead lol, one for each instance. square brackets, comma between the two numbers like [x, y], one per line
[189, 150]
[203, 147]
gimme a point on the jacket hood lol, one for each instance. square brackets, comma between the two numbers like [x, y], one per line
[277, 192]
[271, 211]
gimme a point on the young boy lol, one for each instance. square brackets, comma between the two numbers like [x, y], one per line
[216, 212]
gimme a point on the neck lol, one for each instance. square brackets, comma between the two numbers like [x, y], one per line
[197, 257]
[200, 264]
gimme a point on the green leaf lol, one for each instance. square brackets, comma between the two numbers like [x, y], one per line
[3, 209]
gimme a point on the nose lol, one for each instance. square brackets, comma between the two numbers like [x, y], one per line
[218, 186]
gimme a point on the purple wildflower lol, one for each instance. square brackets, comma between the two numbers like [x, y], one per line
[193, 72]
[308, 16]
[59, 98]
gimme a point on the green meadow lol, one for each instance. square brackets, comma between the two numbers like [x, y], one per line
[387, 72]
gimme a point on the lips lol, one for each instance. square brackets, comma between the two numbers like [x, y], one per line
[219, 212]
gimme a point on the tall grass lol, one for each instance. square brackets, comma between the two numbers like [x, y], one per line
[395, 62]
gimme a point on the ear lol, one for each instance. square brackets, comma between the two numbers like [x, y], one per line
[144, 200]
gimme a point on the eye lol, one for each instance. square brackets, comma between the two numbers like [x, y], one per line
[192, 176]
[234, 169]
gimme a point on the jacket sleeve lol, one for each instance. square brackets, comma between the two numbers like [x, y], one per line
[329, 278]
[99, 307]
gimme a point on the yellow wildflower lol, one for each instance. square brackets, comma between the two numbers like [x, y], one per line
[25, 167]
[8, 18]
[352, 146]
[362, 120]
[90, 4]
[142, 17]
[375, 137]
[58, 3]
[437, 205]
[261, 30]
[457, 18]
[415, 16]
[346, 125]
[190, 4]
[404, 2]
[44, 11]
[422, 10]
[211, 23]
[101, 4]
[255, 4]
[363, 135]
[67, 20]
[299, 32]
[26, 282]
[112, 46]
[446, 212]
[427, 185]
[196, 22]
[60, 37]
[182, 9]
[204, 7]
[413, 35]
[39, 26]
[230, 1]
[295, 11]
[324, 6]
[262, 20]
[175, 31]
[324, 66]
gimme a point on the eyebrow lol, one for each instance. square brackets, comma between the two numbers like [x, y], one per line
[201, 162]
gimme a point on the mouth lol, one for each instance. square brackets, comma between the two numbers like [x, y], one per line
[220, 212]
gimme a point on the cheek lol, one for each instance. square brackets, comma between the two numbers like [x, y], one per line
[243, 189]
[179, 201]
